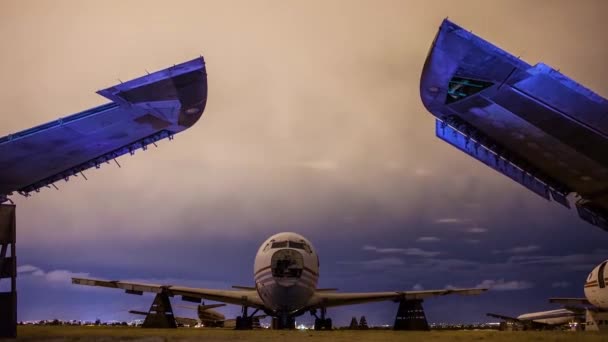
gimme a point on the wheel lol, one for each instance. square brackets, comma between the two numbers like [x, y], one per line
[248, 323]
[239, 323]
[328, 324]
[318, 324]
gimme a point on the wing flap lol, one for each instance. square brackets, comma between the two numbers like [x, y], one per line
[534, 124]
[143, 111]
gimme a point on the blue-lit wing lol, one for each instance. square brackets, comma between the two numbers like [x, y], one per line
[531, 123]
[142, 111]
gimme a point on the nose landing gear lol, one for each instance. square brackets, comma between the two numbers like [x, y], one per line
[322, 323]
[245, 322]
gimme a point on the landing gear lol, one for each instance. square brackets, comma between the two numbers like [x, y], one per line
[283, 322]
[245, 322]
[322, 323]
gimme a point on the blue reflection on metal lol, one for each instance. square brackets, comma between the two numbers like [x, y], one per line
[490, 158]
[535, 125]
[142, 112]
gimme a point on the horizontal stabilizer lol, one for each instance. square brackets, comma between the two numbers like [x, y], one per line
[135, 312]
[238, 287]
[503, 317]
[210, 306]
[570, 301]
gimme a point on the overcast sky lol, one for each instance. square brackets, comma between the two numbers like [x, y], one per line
[313, 124]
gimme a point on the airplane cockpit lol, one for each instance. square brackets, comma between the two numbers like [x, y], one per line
[288, 244]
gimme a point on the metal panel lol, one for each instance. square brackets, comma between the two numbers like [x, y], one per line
[490, 158]
[554, 130]
[143, 111]
[8, 315]
[8, 269]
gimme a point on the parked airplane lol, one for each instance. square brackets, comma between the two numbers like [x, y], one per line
[286, 272]
[596, 299]
[541, 319]
[207, 317]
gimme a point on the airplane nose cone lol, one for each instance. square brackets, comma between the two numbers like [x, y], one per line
[287, 266]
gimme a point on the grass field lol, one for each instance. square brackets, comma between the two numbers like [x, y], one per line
[42, 333]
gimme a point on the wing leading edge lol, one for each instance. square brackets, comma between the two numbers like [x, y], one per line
[329, 299]
[237, 297]
[142, 111]
[530, 123]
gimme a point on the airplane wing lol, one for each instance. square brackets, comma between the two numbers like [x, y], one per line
[237, 297]
[329, 299]
[504, 318]
[570, 301]
[530, 123]
[141, 112]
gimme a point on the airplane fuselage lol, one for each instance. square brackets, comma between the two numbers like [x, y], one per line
[286, 272]
[596, 286]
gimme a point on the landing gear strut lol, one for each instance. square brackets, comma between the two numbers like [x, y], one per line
[283, 322]
[322, 323]
[245, 322]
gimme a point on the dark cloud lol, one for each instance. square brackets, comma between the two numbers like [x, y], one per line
[413, 251]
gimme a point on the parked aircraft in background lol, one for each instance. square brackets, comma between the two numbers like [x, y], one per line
[595, 303]
[542, 319]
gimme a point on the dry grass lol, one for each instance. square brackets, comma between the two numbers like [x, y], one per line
[39, 333]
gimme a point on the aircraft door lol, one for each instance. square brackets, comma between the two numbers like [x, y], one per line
[600, 275]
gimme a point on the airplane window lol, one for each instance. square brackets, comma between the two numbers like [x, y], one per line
[281, 244]
[296, 245]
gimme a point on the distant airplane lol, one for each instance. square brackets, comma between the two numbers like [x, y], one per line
[596, 299]
[531, 123]
[142, 111]
[207, 316]
[542, 319]
[286, 272]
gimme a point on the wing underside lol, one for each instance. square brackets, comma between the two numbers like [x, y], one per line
[237, 297]
[329, 299]
[530, 123]
[142, 112]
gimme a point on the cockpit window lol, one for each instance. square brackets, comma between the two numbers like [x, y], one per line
[300, 245]
[296, 245]
[292, 244]
[280, 244]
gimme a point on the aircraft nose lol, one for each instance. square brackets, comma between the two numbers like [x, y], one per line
[287, 264]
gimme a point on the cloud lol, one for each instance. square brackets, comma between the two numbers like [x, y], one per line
[502, 285]
[472, 240]
[421, 172]
[54, 276]
[27, 269]
[575, 262]
[320, 165]
[404, 251]
[428, 239]
[476, 230]
[560, 284]
[450, 220]
[518, 250]
[417, 287]
[376, 263]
